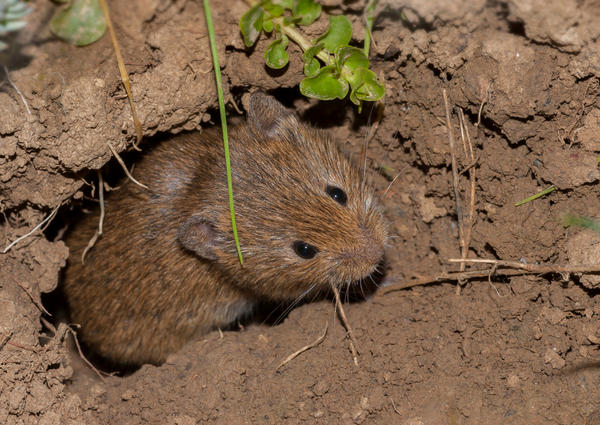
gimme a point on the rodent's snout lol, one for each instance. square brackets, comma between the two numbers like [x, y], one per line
[362, 257]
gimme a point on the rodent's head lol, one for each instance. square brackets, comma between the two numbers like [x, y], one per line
[305, 217]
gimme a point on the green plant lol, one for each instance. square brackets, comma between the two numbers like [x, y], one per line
[369, 19]
[569, 220]
[12, 13]
[536, 196]
[215, 57]
[332, 67]
[79, 22]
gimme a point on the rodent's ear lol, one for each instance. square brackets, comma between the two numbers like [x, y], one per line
[198, 234]
[265, 114]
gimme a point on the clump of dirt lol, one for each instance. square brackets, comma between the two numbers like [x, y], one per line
[508, 349]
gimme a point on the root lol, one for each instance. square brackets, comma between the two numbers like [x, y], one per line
[32, 231]
[313, 344]
[98, 232]
[74, 334]
[14, 86]
[36, 302]
[122, 163]
[344, 319]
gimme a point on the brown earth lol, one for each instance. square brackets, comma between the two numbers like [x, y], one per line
[507, 350]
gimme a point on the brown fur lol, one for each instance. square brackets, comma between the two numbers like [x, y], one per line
[166, 268]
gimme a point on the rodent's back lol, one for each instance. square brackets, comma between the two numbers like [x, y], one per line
[166, 268]
[137, 275]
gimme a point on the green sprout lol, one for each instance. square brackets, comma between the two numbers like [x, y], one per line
[12, 13]
[332, 67]
[536, 196]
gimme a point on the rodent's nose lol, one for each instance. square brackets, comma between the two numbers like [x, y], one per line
[372, 246]
[363, 256]
[371, 252]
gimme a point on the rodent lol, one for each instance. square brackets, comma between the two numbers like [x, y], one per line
[166, 268]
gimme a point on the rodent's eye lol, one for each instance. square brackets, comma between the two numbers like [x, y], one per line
[304, 250]
[337, 194]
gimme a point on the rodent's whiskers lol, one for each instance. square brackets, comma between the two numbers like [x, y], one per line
[293, 304]
[373, 280]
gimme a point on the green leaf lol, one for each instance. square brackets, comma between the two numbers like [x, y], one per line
[311, 68]
[311, 64]
[11, 26]
[268, 25]
[276, 56]
[365, 86]
[286, 4]
[9, 12]
[273, 9]
[307, 10]
[251, 24]
[326, 85]
[338, 34]
[81, 23]
[351, 58]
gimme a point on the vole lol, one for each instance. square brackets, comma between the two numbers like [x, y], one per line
[166, 269]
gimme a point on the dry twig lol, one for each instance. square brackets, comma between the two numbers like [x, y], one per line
[305, 348]
[468, 226]
[533, 268]
[124, 75]
[344, 319]
[459, 216]
[514, 268]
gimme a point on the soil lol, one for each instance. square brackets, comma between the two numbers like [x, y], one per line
[506, 350]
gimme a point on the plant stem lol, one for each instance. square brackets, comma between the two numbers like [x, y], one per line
[215, 57]
[369, 25]
[301, 41]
